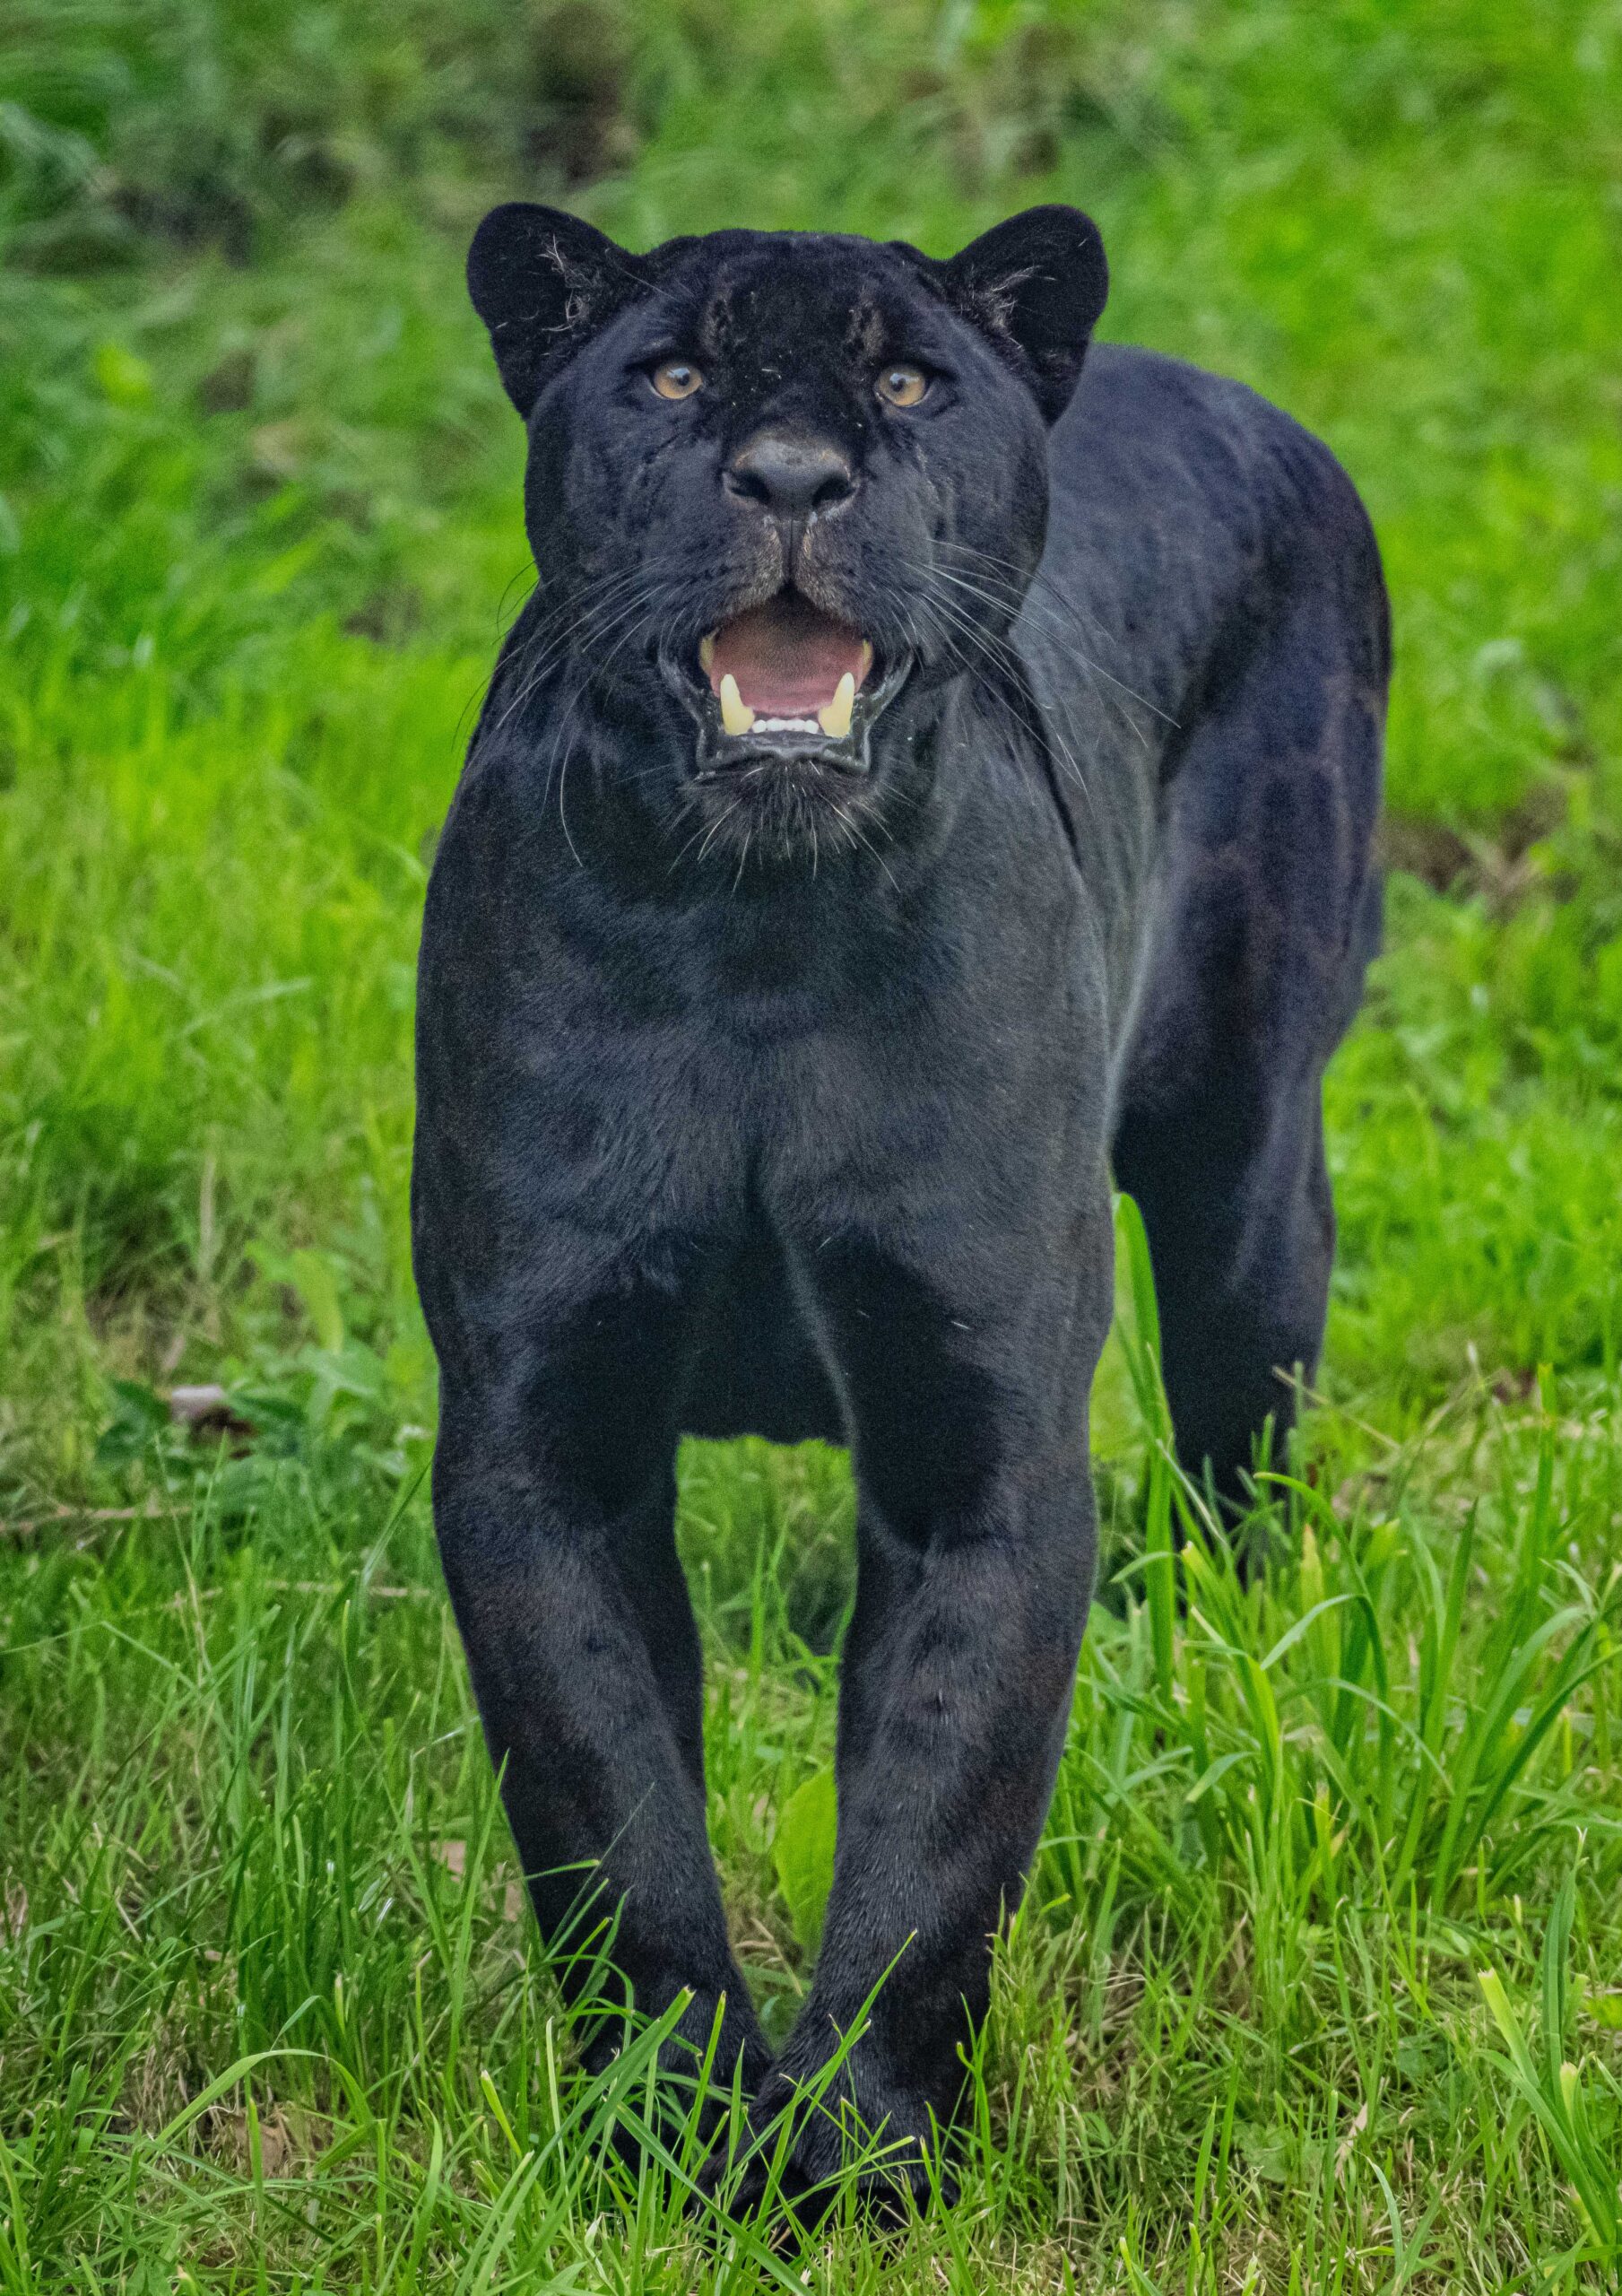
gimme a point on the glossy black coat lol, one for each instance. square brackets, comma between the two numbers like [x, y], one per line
[788, 1104]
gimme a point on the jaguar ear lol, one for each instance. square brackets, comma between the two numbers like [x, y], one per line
[1035, 285]
[543, 283]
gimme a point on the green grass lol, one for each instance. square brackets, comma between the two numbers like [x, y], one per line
[1332, 1895]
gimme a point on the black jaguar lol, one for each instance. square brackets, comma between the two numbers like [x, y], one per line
[937, 766]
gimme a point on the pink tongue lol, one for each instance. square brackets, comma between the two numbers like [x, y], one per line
[787, 657]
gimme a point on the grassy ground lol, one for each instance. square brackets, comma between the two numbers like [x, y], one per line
[1319, 1984]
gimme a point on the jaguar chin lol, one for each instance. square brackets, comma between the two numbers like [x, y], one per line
[931, 784]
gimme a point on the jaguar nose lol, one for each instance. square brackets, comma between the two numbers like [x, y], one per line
[790, 477]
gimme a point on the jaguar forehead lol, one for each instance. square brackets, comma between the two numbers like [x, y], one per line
[718, 328]
[763, 308]
[864, 336]
[737, 310]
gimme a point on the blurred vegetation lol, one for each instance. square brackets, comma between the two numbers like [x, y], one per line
[259, 532]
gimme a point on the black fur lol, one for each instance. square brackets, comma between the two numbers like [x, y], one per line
[781, 1096]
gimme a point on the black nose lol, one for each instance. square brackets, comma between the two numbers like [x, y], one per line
[788, 476]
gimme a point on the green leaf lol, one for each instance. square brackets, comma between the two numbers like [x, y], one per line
[317, 1284]
[124, 379]
[140, 1415]
[803, 1851]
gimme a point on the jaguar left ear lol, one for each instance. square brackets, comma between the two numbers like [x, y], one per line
[1035, 285]
[543, 283]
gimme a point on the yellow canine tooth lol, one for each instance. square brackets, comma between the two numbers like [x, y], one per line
[707, 652]
[867, 658]
[834, 716]
[736, 715]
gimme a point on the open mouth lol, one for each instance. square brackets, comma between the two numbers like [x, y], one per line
[786, 680]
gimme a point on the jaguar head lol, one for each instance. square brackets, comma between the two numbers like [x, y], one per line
[784, 490]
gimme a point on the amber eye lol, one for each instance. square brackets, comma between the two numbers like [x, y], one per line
[902, 386]
[676, 379]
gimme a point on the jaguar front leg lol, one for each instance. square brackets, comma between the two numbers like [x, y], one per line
[554, 1500]
[976, 1550]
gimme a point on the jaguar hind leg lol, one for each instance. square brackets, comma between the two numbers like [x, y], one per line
[1267, 910]
[1242, 1246]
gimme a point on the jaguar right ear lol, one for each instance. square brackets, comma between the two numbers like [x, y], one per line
[543, 283]
[1035, 286]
